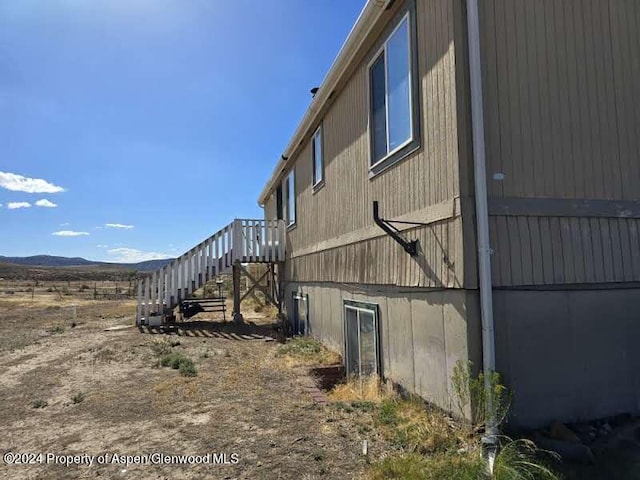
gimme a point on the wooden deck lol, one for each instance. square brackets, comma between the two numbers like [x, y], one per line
[243, 240]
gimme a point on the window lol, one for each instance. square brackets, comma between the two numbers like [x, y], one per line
[279, 209]
[301, 324]
[290, 193]
[317, 158]
[393, 122]
[362, 356]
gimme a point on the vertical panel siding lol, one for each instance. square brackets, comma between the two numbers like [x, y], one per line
[564, 250]
[427, 177]
[382, 261]
[271, 208]
[561, 97]
[562, 119]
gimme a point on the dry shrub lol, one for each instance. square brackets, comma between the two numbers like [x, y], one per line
[360, 389]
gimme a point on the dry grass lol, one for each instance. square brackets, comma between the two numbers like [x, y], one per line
[306, 351]
[419, 428]
[363, 389]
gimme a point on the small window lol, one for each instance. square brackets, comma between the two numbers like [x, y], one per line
[317, 158]
[393, 123]
[362, 342]
[301, 324]
[290, 192]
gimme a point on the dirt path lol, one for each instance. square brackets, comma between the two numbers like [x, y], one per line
[104, 394]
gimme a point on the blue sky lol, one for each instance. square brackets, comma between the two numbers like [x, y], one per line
[149, 124]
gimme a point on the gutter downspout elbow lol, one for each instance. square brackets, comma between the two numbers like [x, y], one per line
[482, 220]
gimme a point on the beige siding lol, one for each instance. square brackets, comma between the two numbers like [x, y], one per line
[561, 86]
[561, 250]
[562, 122]
[382, 261]
[271, 208]
[427, 177]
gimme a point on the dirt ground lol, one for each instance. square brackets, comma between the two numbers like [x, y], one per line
[86, 391]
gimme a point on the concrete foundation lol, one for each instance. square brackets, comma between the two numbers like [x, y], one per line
[569, 355]
[423, 333]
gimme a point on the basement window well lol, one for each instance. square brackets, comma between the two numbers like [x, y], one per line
[362, 339]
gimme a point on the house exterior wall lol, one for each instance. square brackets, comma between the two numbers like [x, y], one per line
[562, 123]
[563, 139]
[271, 208]
[568, 354]
[335, 223]
[423, 333]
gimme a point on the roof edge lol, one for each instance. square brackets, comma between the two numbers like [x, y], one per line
[367, 19]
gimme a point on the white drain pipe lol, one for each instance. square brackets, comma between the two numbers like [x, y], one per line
[482, 217]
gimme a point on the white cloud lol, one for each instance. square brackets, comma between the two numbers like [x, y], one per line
[119, 226]
[46, 203]
[133, 255]
[69, 233]
[18, 183]
[14, 205]
[65, 224]
[102, 246]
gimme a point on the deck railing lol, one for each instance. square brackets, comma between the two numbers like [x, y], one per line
[248, 241]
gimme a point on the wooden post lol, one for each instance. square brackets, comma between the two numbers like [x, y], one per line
[190, 273]
[154, 291]
[203, 263]
[217, 255]
[147, 297]
[139, 306]
[210, 259]
[236, 244]
[237, 316]
[161, 291]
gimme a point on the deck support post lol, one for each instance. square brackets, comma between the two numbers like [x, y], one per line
[237, 299]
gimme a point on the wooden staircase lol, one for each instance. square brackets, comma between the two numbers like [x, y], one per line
[242, 241]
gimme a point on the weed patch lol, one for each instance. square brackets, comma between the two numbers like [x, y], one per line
[39, 403]
[447, 466]
[415, 427]
[307, 351]
[78, 398]
[179, 362]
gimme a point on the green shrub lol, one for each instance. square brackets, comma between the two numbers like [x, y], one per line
[179, 362]
[39, 403]
[78, 398]
[187, 368]
[470, 392]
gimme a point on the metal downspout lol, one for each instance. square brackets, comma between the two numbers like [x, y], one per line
[482, 218]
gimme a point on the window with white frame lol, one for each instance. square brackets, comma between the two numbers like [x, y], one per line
[290, 195]
[317, 158]
[362, 339]
[393, 122]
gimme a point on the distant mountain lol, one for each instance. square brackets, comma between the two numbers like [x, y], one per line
[53, 261]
